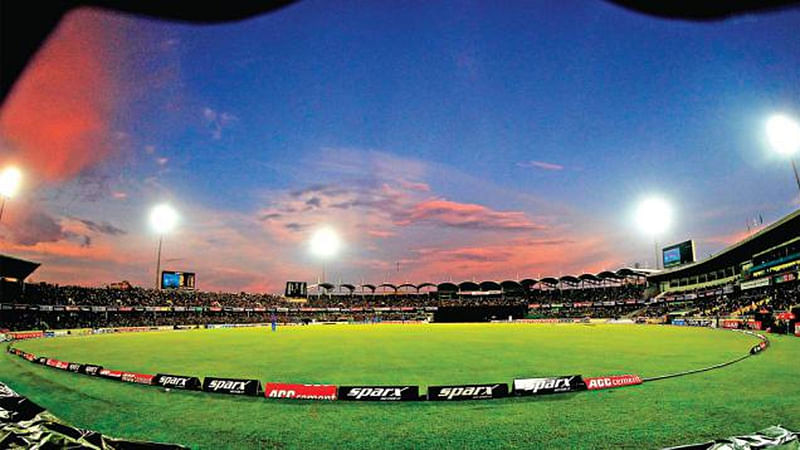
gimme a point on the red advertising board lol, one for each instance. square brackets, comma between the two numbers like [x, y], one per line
[300, 391]
[109, 373]
[740, 324]
[27, 335]
[141, 378]
[58, 364]
[611, 382]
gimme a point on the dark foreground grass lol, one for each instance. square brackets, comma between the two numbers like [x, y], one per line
[757, 392]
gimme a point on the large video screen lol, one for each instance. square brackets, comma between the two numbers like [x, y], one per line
[177, 280]
[678, 254]
[296, 289]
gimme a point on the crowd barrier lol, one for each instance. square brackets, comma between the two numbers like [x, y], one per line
[519, 387]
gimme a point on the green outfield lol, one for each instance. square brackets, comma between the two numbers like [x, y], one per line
[743, 398]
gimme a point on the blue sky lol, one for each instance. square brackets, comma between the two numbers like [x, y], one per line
[552, 119]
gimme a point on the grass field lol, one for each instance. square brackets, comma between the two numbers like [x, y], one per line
[748, 396]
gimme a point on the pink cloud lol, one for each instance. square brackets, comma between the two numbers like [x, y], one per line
[414, 186]
[466, 215]
[542, 165]
[58, 116]
[381, 233]
[509, 258]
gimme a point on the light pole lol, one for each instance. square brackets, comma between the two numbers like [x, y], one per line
[163, 219]
[654, 216]
[783, 134]
[324, 244]
[10, 179]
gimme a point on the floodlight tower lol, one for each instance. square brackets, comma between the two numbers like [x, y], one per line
[163, 219]
[10, 179]
[325, 243]
[654, 216]
[783, 134]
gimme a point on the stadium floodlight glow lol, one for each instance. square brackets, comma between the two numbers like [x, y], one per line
[654, 216]
[325, 242]
[784, 134]
[10, 179]
[163, 218]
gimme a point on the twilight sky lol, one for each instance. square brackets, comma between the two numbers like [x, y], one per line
[465, 141]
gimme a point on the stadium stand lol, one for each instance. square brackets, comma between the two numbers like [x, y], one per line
[758, 275]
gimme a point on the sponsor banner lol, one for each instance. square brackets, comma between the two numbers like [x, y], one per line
[300, 391]
[27, 335]
[177, 382]
[57, 364]
[231, 386]
[74, 367]
[549, 385]
[29, 356]
[468, 392]
[754, 284]
[91, 370]
[613, 381]
[727, 289]
[732, 324]
[759, 348]
[785, 277]
[111, 374]
[140, 378]
[379, 393]
[41, 360]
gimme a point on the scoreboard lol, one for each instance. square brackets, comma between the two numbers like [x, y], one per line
[177, 280]
[296, 289]
[678, 254]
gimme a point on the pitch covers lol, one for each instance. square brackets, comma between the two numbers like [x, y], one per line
[551, 385]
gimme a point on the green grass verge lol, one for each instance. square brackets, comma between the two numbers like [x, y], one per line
[742, 398]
